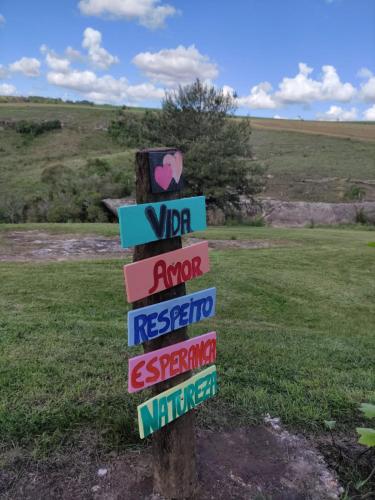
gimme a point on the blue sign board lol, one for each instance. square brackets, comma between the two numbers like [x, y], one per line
[150, 322]
[157, 221]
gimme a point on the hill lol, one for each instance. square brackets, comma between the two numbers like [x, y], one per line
[312, 161]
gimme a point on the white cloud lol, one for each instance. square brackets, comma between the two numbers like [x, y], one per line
[300, 89]
[304, 89]
[172, 67]
[333, 88]
[98, 56]
[369, 114]
[364, 73]
[55, 62]
[2, 19]
[228, 91]
[73, 54]
[260, 97]
[29, 66]
[336, 113]
[367, 91]
[7, 89]
[149, 13]
[105, 88]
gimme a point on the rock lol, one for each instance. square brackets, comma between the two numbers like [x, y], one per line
[102, 472]
[215, 216]
[300, 213]
[113, 204]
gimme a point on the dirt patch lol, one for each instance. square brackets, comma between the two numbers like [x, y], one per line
[254, 463]
[41, 246]
[24, 246]
[239, 244]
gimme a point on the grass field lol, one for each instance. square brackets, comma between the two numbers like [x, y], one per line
[295, 324]
[363, 131]
[297, 162]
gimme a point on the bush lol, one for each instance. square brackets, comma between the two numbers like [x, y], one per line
[129, 129]
[32, 129]
[76, 195]
[355, 193]
[12, 209]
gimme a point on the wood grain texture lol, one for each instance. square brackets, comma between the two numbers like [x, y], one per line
[174, 450]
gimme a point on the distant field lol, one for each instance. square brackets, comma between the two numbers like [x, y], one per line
[364, 131]
[312, 161]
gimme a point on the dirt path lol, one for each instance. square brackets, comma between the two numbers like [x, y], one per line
[38, 246]
[253, 463]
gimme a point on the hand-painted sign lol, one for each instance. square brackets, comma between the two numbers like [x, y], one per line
[165, 170]
[149, 276]
[150, 322]
[175, 402]
[157, 221]
[154, 367]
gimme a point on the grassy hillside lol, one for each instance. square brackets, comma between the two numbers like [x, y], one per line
[311, 167]
[305, 160]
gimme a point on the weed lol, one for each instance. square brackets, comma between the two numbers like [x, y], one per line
[356, 193]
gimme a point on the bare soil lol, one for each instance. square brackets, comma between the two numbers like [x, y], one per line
[24, 246]
[255, 463]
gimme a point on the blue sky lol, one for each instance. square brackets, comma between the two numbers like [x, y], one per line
[283, 58]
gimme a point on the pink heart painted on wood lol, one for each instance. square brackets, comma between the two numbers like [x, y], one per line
[163, 175]
[175, 162]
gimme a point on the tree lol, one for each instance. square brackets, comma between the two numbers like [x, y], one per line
[199, 120]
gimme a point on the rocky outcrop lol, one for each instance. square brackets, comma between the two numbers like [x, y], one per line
[112, 204]
[300, 213]
[279, 213]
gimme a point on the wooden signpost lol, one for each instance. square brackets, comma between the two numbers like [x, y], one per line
[158, 221]
[156, 366]
[155, 284]
[171, 404]
[150, 322]
[158, 273]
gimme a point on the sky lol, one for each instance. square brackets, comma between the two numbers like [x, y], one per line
[310, 59]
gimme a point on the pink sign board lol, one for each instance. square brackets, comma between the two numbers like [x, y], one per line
[149, 369]
[149, 276]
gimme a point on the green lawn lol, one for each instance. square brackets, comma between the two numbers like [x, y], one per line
[295, 325]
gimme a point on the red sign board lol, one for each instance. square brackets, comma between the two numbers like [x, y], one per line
[149, 276]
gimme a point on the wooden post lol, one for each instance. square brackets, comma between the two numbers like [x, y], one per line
[174, 445]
